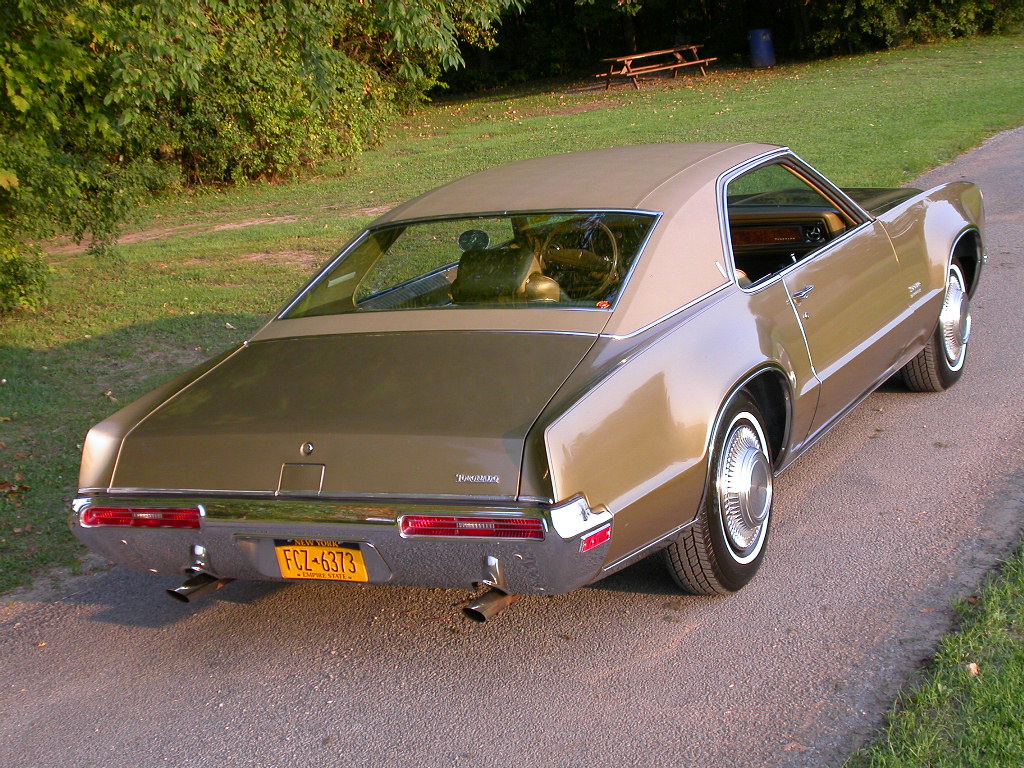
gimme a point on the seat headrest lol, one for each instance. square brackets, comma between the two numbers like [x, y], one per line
[493, 275]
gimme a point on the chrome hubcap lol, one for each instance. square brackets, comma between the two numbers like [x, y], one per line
[744, 489]
[955, 320]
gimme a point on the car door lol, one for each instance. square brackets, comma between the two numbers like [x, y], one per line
[838, 267]
[849, 301]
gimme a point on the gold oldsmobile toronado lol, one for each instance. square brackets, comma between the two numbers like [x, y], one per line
[527, 379]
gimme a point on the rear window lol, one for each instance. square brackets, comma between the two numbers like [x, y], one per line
[515, 260]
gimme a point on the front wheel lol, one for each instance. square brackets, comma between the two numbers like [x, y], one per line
[941, 363]
[724, 547]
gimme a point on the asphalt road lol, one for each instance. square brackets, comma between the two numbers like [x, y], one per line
[899, 509]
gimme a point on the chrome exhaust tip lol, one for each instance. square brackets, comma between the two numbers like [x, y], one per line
[195, 587]
[489, 605]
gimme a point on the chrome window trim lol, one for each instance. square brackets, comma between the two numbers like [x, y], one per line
[352, 244]
[658, 215]
[827, 188]
[510, 212]
[358, 239]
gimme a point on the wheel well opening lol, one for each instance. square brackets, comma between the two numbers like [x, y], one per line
[771, 395]
[968, 252]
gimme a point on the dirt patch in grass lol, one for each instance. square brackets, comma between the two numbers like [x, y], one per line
[156, 233]
[370, 210]
[340, 209]
[256, 222]
[305, 259]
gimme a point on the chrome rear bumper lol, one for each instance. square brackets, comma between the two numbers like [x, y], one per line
[238, 536]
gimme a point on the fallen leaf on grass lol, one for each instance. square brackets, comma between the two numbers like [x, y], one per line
[10, 489]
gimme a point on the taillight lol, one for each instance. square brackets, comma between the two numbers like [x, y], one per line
[493, 527]
[597, 538]
[141, 517]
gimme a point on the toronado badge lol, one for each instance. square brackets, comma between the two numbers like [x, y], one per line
[461, 478]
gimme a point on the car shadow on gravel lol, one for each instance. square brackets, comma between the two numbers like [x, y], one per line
[128, 598]
[647, 577]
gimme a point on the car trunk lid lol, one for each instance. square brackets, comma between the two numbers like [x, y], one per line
[432, 413]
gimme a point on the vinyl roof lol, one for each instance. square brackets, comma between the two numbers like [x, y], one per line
[647, 177]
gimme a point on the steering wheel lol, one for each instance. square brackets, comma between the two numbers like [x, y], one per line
[581, 252]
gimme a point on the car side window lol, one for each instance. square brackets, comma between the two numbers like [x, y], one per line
[777, 218]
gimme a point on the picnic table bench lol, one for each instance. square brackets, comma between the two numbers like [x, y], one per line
[636, 64]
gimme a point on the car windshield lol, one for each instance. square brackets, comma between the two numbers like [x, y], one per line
[513, 260]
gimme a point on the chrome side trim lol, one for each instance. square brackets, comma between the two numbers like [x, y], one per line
[644, 551]
[828, 426]
[982, 255]
[768, 367]
[351, 498]
[669, 316]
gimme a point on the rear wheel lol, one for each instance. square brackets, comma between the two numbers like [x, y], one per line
[723, 549]
[941, 363]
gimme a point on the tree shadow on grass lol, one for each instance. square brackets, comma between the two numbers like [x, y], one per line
[51, 397]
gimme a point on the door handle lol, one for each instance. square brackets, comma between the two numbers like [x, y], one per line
[803, 293]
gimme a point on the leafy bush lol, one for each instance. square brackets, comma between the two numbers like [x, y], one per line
[858, 25]
[23, 279]
[103, 104]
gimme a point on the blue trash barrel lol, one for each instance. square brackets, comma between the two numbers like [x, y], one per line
[762, 52]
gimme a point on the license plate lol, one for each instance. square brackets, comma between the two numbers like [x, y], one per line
[326, 560]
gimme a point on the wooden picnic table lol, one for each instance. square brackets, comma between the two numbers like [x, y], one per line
[636, 64]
